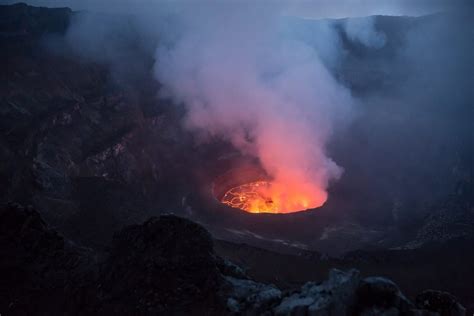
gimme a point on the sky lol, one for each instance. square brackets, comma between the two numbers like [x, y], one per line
[302, 8]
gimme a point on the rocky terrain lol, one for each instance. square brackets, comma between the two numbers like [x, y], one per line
[442, 259]
[453, 218]
[167, 265]
[75, 141]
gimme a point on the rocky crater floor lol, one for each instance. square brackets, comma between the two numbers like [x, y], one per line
[167, 265]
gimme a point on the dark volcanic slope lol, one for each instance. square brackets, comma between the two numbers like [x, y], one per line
[90, 151]
[167, 266]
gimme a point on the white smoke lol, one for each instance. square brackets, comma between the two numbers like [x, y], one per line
[246, 72]
[245, 81]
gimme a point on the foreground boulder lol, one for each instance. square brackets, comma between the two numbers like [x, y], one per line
[167, 266]
[41, 273]
[168, 263]
[247, 296]
[332, 297]
[380, 296]
[442, 303]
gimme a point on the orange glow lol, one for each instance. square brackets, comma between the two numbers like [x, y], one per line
[274, 197]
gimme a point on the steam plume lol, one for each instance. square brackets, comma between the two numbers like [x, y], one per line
[270, 95]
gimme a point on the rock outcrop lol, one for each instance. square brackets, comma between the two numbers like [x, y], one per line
[334, 296]
[167, 265]
[380, 296]
[442, 303]
[90, 151]
[452, 219]
[41, 273]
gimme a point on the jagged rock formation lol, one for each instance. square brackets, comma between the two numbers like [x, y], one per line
[380, 296]
[41, 272]
[439, 302]
[75, 140]
[332, 297]
[167, 265]
[452, 219]
[174, 268]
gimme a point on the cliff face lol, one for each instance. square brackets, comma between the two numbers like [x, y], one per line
[41, 271]
[75, 140]
[452, 219]
[167, 265]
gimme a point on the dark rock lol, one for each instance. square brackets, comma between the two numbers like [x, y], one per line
[442, 303]
[452, 219]
[41, 272]
[380, 295]
[69, 127]
[334, 296]
[21, 19]
[230, 269]
[166, 265]
[250, 297]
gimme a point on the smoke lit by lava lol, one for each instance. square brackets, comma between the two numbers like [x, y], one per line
[247, 81]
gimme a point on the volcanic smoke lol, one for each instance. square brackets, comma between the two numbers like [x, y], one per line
[245, 79]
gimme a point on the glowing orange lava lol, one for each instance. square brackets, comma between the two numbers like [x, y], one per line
[270, 197]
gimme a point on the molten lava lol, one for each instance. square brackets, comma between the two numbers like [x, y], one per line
[271, 197]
